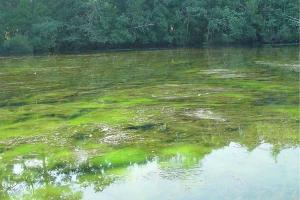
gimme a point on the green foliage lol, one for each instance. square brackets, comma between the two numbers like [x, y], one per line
[45, 35]
[84, 25]
[18, 44]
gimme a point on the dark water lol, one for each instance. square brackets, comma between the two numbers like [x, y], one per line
[172, 124]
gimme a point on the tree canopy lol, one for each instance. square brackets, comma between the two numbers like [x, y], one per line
[69, 25]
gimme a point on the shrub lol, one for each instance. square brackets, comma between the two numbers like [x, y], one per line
[45, 36]
[18, 44]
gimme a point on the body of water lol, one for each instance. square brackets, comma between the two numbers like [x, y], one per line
[186, 124]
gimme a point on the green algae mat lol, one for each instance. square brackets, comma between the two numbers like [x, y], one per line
[215, 123]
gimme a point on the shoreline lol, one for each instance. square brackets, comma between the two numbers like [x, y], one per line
[112, 50]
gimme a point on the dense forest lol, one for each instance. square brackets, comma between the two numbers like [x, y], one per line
[35, 26]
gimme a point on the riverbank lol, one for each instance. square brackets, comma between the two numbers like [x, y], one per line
[204, 46]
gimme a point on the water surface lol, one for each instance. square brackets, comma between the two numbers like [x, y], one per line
[218, 123]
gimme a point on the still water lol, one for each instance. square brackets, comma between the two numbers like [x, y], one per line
[215, 123]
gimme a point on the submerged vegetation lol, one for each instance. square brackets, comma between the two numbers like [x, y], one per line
[72, 126]
[37, 26]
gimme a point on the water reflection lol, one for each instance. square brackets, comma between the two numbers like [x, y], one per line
[231, 172]
[228, 173]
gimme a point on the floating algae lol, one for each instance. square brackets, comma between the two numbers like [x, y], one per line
[174, 124]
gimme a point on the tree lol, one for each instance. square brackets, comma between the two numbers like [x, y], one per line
[47, 26]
